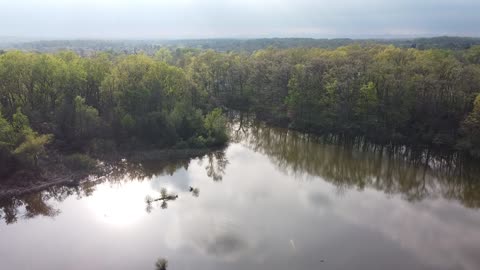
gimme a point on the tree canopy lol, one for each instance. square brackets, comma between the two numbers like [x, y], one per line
[383, 93]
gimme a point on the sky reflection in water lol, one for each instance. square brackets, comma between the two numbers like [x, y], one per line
[260, 206]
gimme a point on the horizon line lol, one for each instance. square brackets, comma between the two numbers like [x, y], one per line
[357, 37]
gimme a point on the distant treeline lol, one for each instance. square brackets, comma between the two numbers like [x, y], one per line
[386, 94]
[86, 47]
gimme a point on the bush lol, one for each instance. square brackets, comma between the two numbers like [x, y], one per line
[32, 148]
[18, 140]
[80, 162]
[216, 126]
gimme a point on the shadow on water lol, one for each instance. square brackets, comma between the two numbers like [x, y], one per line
[414, 174]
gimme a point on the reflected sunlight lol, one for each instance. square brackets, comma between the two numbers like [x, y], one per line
[119, 205]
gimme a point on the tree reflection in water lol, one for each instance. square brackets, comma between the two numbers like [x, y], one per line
[355, 164]
[216, 165]
[195, 191]
[164, 198]
[415, 174]
[161, 264]
[40, 203]
[28, 206]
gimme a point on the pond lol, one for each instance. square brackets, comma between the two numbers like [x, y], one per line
[273, 199]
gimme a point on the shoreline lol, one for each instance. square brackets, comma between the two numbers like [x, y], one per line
[30, 181]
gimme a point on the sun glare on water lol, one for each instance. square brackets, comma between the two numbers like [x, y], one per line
[120, 205]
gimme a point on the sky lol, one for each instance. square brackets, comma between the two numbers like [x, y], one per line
[176, 19]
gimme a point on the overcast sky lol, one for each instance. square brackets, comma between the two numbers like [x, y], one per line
[173, 19]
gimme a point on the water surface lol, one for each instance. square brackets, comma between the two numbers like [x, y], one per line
[271, 200]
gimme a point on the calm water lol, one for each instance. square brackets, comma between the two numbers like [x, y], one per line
[271, 200]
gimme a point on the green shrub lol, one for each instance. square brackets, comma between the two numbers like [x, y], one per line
[216, 126]
[18, 140]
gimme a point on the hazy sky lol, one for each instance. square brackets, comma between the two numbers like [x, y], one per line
[237, 18]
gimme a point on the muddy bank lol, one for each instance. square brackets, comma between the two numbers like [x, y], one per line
[53, 172]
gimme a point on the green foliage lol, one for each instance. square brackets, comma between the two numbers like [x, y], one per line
[32, 147]
[367, 99]
[384, 93]
[86, 120]
[216, 126]
[366, 106]
[127, 122]
[19, 141]
[7, 134]
[473, 55]
[471, 130]
[197, 142]
[164, 55]
[20, 123]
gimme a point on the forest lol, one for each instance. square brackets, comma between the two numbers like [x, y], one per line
[150, 47]
[175, 97]
[98, 104]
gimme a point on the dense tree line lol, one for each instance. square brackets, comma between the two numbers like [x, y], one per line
[385, 94]
[99, 103]
[382, 93]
